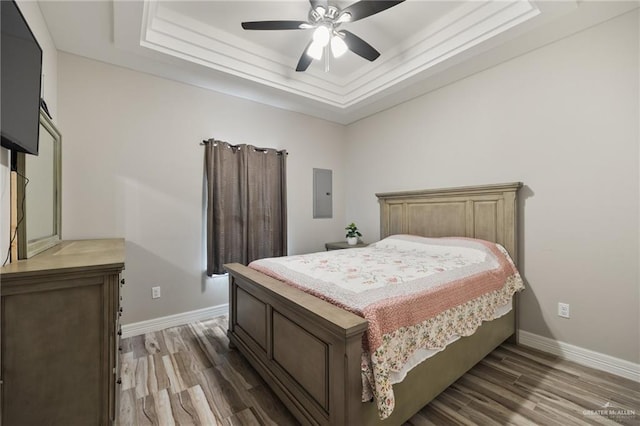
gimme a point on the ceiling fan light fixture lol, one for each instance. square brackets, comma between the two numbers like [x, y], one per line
[321, 35]
[344, 17]
[338, 46]
[315, 51]
[325, 20]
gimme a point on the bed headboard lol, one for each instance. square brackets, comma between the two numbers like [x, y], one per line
[488, 212]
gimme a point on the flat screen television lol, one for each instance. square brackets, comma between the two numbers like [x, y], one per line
[20, 70]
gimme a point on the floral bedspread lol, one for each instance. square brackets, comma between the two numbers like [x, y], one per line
[415, 293]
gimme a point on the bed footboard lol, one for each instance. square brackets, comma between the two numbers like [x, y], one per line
[305, 348]
[308, 351]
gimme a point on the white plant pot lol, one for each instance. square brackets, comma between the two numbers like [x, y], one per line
[352, 241]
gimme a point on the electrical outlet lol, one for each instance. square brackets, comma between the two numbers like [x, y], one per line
[563, 310]
[155, 292]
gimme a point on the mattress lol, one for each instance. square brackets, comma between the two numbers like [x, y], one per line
[418, 295]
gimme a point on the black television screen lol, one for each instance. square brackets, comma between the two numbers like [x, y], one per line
[20, 70]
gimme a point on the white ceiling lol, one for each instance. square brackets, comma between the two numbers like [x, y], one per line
[424, 45]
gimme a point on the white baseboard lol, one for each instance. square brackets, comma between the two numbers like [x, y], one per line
[586, 357]
[157, 324]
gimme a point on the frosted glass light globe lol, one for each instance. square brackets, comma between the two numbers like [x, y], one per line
[321, 35]
[338, 46]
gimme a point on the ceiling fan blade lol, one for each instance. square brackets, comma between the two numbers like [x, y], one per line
[305, 60]
[365, 8]
[273, 25]
[359, 46]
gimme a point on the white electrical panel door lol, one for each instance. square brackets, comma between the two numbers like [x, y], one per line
[322, 194]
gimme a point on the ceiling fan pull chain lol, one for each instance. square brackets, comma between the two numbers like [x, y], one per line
[327, 65]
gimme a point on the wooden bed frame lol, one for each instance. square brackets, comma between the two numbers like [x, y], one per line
[308, 350]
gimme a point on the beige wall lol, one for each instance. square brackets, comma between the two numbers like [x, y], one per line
[133, 168]
[32, 14]
[563, 119]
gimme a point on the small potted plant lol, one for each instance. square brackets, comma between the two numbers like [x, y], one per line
[352, 234]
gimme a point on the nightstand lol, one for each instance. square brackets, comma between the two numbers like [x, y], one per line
[339, 245]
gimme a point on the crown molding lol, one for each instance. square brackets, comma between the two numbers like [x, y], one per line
[459, 30]
[410, 65]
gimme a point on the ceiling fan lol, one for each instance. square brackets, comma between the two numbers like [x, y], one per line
[327, 19]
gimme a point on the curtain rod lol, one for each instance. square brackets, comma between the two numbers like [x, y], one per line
[205, 142]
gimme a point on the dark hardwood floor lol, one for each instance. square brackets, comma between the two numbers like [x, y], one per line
[188, 376]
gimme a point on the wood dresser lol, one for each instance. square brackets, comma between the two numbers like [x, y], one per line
[60, 335]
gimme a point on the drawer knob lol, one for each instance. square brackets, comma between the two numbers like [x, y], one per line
[120, 332]
[122, 281]
[119, 381]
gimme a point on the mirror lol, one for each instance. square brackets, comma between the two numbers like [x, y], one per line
[38, 191]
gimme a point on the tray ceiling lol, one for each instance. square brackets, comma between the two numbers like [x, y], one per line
[424, 44]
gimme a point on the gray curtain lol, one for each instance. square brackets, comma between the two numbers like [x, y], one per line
[246, 204]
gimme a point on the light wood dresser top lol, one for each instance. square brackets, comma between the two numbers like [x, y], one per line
[68, 256]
